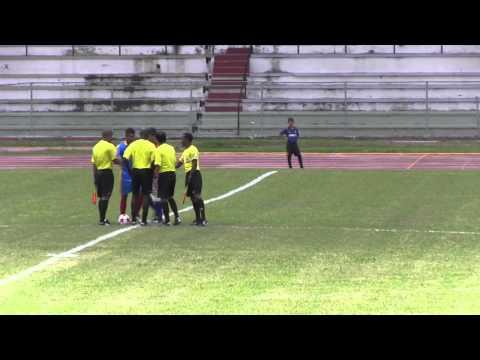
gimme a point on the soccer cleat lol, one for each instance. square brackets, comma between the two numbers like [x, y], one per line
[166, 224]
[104, 223]
[156, 220]
[177, 221]
[203, 223]
[143, 223]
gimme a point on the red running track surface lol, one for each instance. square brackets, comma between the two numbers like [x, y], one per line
[347, 161]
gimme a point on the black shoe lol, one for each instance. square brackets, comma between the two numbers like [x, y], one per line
[143, 223]
[177, 221]
[104, 223]
[195, 223]
[156, 220]
[203, 223]
[166, 223]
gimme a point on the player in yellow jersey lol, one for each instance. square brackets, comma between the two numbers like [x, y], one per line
[103, 158]
[164, 170]
[190, 159]
[141, 154]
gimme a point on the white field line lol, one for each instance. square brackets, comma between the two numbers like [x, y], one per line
[46, 263]
[357, 229]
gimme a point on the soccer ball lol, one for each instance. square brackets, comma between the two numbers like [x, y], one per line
[123, 219]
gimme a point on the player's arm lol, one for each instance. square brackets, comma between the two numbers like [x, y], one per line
[94, 168]
[179, 163]
[126, 159]
[283, 132]
[157, 162]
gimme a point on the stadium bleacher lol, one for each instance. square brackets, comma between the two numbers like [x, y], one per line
[321, 84]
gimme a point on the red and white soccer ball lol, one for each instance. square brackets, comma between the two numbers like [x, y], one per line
[123, 219]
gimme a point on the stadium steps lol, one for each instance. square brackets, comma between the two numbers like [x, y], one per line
[229, 75]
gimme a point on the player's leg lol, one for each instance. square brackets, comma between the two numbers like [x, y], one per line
[136, 195]
[298, 154]
[171, 199]
[125, 189]
[193, 199]
[123, 203]
[289, 155]
[196, 185]
[146, 191]
[162, 185]
[105, 191]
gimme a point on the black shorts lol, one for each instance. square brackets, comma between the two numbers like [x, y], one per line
[104, 182]
[292, 148]
[166, 184]
[142, 181]
[195, 183]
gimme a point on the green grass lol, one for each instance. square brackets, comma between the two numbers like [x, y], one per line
[296, 243]
[278, 145]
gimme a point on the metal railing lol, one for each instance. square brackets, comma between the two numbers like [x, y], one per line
[348, 93]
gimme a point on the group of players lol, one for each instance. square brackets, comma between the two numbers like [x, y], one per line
[148, 172]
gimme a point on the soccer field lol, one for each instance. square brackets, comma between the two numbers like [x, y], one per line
[298, 242]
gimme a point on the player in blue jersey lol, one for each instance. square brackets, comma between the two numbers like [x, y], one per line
[126, 181]
[292, 134]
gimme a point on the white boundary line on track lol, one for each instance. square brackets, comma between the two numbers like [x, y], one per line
[416, 161]
[50, 261]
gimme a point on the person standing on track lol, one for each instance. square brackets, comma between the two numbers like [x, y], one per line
[164, 170]
[103, 158]
[190, 159]
[292, 134]
[141, 153]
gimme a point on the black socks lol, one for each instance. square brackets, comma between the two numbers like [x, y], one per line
[300, 160]
[173, 205]
[202, 209]
[146, 205]
[102, 209]
[166, 211]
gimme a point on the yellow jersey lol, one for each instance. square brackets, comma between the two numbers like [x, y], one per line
[189, 154]
[165, 157]
[103, 154]
[141, 152]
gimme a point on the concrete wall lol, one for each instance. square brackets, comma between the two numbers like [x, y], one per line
[80, 50]
[80, 124]
[103, 66]
[378, 65]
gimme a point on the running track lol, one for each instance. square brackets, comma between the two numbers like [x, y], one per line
[366, 161]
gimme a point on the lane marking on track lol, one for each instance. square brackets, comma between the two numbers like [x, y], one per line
[52, 260]
[416, 161]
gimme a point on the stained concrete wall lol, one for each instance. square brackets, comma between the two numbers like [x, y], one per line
[378, 65]
[102, 66]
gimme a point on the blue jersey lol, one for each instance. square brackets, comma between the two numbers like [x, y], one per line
[120, 150]
[292, 134]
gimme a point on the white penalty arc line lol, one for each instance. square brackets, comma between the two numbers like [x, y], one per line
[70, 253]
